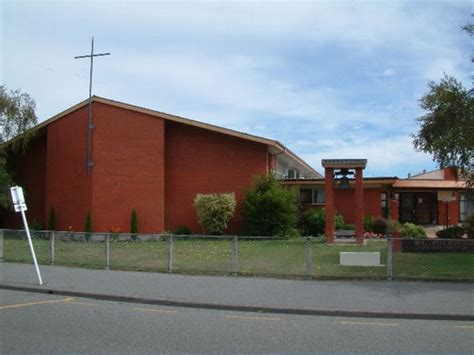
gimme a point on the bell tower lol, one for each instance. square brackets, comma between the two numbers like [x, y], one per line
[333, 168]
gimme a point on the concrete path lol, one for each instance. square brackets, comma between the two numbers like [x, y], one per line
[381, 299]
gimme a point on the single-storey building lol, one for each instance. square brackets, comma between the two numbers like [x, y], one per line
[421, 199]
[133, 158]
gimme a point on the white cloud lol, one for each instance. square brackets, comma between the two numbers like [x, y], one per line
[253, 66]
[389, 72]
[391, 155]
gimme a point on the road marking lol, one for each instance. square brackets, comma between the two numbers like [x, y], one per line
[81, 303]
[252, 318]
[369, 323]
[153, 310]
[464, 326]
[64, 300]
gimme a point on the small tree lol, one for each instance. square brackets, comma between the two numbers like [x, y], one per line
[134, 224]
[88, 226]
[270, 209]
[214, 211]
[52, 219]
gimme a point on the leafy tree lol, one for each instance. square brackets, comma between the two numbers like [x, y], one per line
[17, 110]
[17, 115]
[270, 209]
[447, 127]
[469, 28]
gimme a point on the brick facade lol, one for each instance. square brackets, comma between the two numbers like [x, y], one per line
[141, 162]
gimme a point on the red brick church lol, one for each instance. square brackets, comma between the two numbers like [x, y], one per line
[156, 163]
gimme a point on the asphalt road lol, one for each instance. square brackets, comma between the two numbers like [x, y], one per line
[32, 322]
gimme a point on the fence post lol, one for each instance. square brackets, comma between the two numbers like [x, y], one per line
[107, 251]
[309, 258]
[389, 259]
[52, 238]
[170, 254]
[1, 245]
[235, 257]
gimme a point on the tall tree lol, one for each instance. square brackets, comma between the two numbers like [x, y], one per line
[17, 116]
[447, 127]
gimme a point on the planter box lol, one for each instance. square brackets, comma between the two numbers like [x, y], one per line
[438, 245]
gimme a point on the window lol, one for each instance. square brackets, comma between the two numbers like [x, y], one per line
[293, 174]
[306, 195]
[312, 196]
[466, 206]
[384, 204]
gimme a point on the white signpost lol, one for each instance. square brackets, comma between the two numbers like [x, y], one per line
[20, 206]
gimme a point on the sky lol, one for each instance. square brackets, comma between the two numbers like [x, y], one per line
[328, 79]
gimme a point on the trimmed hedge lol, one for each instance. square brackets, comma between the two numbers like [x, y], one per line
[214, 211]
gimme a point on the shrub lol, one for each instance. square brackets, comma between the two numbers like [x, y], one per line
[469, 226]
[36, 225]
[88, 226]
[369, 223]
[380, 226]
[181, 230]
[269, 209]
[412, 230]
[453, 232]
[52, 219]
[314, 221]
[134, 225]
[349, 226]
[214, 211]
[394, 226]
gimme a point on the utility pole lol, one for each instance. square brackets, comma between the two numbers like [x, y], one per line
[90, 125]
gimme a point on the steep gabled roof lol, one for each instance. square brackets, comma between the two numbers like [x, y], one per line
[276, 146]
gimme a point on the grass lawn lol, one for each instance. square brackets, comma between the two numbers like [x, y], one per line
[285, 258]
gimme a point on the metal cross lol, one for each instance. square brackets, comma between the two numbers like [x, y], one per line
[90, 126]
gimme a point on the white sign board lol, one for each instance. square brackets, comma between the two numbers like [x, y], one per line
[18, 198]
[20, 206]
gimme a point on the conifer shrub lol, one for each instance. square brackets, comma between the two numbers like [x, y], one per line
[134, 225]
[214, 211]
[88, 226]
[52, 220]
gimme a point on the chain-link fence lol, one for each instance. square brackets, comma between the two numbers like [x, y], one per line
[251, 256]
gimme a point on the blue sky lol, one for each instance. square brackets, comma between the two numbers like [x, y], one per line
[329, 79]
